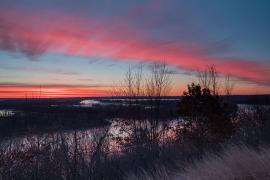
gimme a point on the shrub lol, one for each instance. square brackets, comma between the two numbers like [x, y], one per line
[206, 113]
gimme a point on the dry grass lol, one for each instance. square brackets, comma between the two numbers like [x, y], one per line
[161, 173]
[235, 163]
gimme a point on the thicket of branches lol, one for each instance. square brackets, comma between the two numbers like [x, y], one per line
[208, 117]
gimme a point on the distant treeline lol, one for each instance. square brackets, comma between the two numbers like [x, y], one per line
[238, 99]
[250, 99]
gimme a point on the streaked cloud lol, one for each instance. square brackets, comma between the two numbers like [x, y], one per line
[86, 79]
[39, 69]
[80, 36]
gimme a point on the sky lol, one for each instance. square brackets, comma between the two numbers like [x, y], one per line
[73, 48]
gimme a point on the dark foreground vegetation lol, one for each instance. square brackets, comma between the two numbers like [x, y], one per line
[149, 139]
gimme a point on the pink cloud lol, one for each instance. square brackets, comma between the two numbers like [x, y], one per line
[31, 34]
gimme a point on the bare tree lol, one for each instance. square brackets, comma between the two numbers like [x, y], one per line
[228, 85]
[214, 82]
[132, 85]
[204, 79]
[129, 79]
[135, 84]
[153, 85]
[138, 81]
[158, 83]
[208, 79]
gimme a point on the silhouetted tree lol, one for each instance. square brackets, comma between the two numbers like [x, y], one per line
[207, 115]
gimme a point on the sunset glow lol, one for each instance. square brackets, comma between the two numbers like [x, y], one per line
[56, 40]
[50, 92]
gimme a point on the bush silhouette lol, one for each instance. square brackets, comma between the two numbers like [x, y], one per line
[207, 113]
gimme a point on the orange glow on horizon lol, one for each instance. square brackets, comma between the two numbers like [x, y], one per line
[77, 91]
[50, 92]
